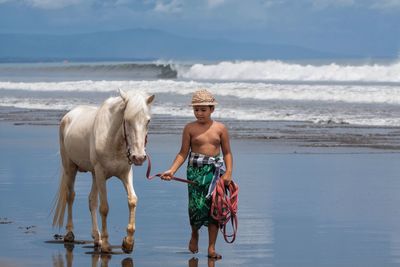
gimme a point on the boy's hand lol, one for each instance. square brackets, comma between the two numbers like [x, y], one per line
[227, 178]
[167, 175]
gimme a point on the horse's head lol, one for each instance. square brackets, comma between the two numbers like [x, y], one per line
[135, 124]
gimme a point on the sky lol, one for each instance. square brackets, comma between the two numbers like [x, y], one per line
[366, 27]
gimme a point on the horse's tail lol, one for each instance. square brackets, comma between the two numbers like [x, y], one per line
[60, 202]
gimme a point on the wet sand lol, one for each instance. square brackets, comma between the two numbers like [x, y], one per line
[282, 133]
[300, 205]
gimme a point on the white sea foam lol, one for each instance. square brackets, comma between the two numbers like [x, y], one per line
[255, 113]
[383, 94]
[316, 116]
[160, 86]
[28, 103]
[283, 71]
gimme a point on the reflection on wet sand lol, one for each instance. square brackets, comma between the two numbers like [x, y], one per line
[194, 262]
[104, 259]
[58, 260]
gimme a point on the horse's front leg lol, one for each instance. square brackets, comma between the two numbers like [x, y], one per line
[93, 204]
[101, 187]
[128, 242]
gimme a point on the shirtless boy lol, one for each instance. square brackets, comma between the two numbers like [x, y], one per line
[203, 140]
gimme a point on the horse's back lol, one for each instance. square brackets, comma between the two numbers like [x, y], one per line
[75, 132]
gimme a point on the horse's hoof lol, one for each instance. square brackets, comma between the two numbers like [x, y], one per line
[97, 244]
[69, 237]
[126, 247]
[106, 249]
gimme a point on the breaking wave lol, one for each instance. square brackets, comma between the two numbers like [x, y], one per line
[283, 71]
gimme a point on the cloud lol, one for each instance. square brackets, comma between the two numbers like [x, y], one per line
[45, 4]
[52, 4]
[385, 4]
[215, 3]
[173, 6]
[367, 4]
[322, 4]
[60, 4]
[273, 3]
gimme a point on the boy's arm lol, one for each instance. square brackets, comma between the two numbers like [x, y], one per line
[226, 150]
[180, 157]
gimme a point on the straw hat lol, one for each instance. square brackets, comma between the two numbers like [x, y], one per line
[203, 98]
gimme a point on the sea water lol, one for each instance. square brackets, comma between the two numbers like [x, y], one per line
[362, 93]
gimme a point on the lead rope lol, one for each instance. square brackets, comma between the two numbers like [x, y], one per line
[224, 206]
[127, 144]
[149, 177]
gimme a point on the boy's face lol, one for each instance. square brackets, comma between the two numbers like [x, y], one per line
[203, 113]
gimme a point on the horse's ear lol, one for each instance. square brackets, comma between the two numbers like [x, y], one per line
[123, 95]
[150, 99]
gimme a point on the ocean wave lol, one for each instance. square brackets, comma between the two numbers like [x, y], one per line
[159, 70]
[376, 94]
[273, 70]
[153, 70]
[234, 71]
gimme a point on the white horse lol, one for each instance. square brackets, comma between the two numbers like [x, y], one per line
[104, 141]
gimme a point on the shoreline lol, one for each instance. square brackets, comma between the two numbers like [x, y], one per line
[292, 133]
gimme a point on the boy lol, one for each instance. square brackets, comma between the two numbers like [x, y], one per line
[203, 141]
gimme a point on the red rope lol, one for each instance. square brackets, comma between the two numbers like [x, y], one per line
[148, 176]
[224, 207]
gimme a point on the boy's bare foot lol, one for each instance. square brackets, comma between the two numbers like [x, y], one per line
[194, 243]
[214, 256]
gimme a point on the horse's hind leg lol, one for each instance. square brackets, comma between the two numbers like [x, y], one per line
[128, 242]
[69, 237]
[65, 197]
[93, 204]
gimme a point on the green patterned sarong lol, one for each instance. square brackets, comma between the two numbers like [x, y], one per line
[199, 205]
[202, 170]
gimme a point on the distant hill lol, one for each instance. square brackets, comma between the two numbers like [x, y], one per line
[142, 44]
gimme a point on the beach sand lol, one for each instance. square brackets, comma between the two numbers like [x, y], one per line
[299, 205]
[283, 133]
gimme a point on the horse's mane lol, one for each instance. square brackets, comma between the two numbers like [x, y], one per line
[136, 102]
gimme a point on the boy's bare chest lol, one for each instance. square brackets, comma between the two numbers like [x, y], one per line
[205, 138]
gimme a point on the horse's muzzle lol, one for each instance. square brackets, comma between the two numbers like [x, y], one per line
[138, 160]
